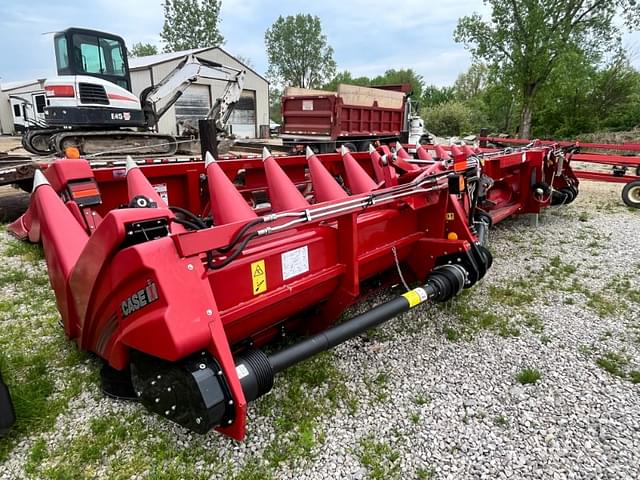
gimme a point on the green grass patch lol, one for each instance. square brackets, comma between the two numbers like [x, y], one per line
[514, 295]
[425, 473]
[528, 376]
[613, 363]
[422, 399]
[583, 217]
[105, 449]
[379, 458]
[31, 252]
[306, 393]
[33, 349]
[472, 319]
[501, 421]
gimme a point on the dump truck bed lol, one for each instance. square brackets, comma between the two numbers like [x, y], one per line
[350, 112]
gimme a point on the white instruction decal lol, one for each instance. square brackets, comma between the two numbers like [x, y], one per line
[295, 262]
[241, 371]
[307, 104]
[161, 189]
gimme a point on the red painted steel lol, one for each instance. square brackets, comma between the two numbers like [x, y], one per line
[209, 299]
[514, 177]
[328, 116]
[597, 154]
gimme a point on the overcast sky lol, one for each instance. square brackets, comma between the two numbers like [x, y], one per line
[368, 36]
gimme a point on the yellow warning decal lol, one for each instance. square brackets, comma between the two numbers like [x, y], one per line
[450, 216]
[415, 296]
[259, 277]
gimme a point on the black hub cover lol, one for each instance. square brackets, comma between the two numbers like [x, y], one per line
[192, 392]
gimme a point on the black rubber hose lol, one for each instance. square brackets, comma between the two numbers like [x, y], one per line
[234, 255]
[187, 223]
[240, 234]
[196, 219]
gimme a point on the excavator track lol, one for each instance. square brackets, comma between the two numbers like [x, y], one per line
[38, 141]
[105, 143]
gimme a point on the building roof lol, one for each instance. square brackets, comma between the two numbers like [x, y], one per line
[139, 63]
[6, 86]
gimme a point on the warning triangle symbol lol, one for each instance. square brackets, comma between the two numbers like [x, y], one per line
[258, 272]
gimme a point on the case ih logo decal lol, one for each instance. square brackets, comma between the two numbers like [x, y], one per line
[141, 298]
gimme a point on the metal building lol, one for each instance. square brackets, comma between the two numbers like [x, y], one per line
[249, 114]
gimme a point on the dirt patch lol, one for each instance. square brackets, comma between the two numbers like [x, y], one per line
[12, 145]
[13, 203]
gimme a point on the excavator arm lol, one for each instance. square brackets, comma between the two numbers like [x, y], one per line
[157, 99]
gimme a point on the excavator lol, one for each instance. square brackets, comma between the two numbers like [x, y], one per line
[90, 104]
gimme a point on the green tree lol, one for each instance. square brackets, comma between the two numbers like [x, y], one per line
[527, 38]
[298, 52]
[395, 77]
[616, 96]
[433, 95]
[143, 50]
[450, 118]
[275, 101]
[191, 24]
[471, 83]
[346, 78]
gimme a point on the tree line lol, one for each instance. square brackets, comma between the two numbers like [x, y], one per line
[541, 68]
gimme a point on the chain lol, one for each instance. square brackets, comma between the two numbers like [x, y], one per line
[395, 257]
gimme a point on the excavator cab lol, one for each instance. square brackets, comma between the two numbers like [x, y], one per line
[91, 108]
[92, 53]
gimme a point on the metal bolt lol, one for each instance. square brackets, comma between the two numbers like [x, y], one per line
[198, 420]
[153, 382]
[159, 377]
[168, 389]
[173, 407]
[219, 373]
[189, 267]
[157, 400]
[209, 312]
[202, 366]
[229, 422]
[93, 213]
[230, 402]
[167, 412]
[139, 394]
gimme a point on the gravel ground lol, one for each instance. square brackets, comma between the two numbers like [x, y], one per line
[433, 394]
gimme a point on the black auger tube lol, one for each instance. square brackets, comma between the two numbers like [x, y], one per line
[256, 370]
[340, 333]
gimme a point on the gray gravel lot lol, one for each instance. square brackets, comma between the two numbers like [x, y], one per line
[433, 394]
